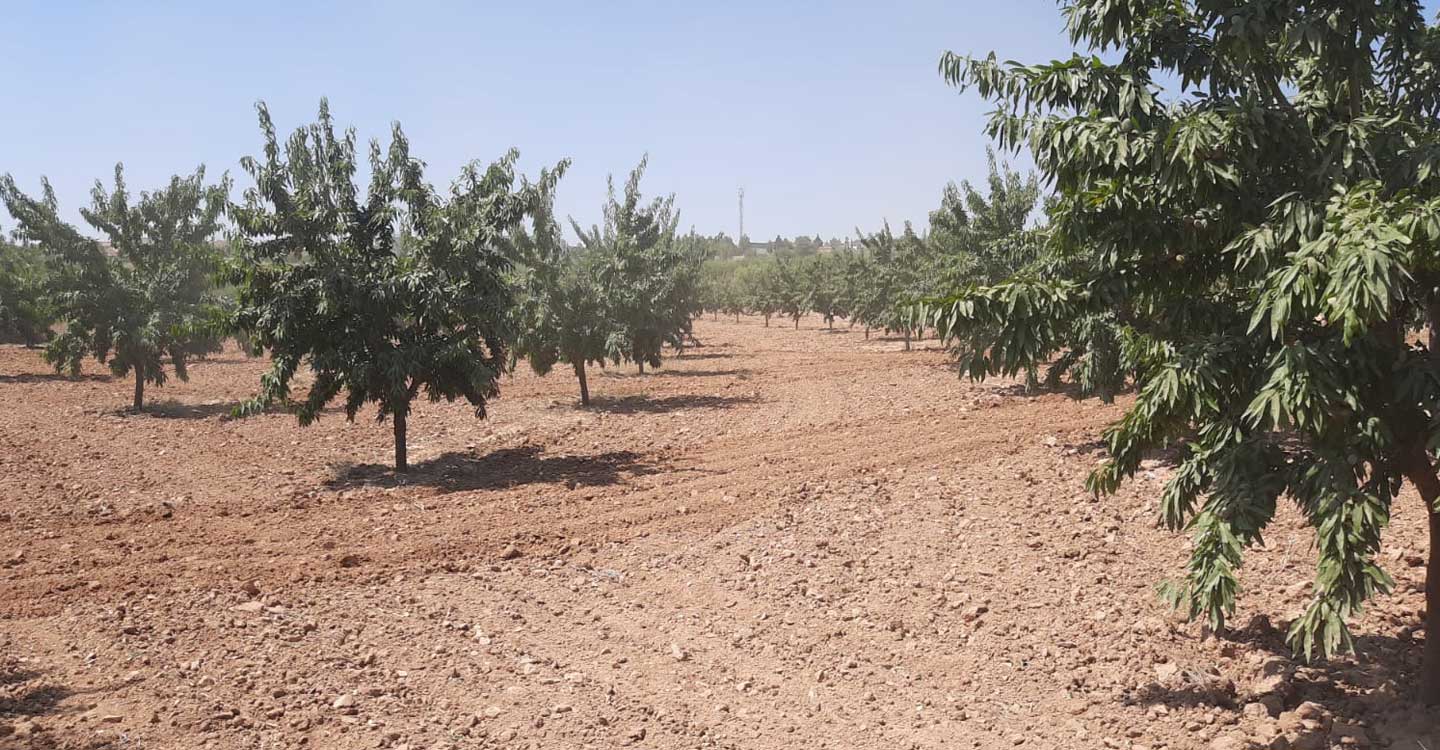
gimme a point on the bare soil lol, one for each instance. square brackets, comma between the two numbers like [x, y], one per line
[783, 539]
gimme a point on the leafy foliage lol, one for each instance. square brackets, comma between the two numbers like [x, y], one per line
[1251, 255]
[153, 298]
[649, 275]
[386, 295]
[561, 305]
[25, 310]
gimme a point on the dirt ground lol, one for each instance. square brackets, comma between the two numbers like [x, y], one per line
[783, 539]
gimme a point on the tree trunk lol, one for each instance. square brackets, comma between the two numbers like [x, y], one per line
[767, 321]
[797, 323]
[737, 317]
[584, 386]
[1430, 664]
[907, 341]
[1421, 472]
[1423, 476]
[402, 463]
[641, 363]
[139, 404]
[867, 333]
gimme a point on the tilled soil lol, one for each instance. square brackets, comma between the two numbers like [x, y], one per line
[783, 539]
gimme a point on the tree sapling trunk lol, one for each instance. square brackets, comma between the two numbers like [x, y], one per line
[584, 386]
[1430, 661]
[402, 463]
[139, 403]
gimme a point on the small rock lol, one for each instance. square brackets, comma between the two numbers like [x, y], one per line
[345, 701]
[1351, 735]
[1231, 741]
[510, 553]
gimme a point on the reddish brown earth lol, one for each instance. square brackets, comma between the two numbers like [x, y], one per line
[783, 539]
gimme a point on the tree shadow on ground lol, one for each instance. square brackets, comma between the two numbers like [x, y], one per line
[741, 372]
[226, 359]
[663, 404]
[55, 377]
[27, 694]
[1376, 686]
[172, 409]
[705, 355]
[501, 469]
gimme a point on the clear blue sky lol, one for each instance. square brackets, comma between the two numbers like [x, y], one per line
[830, 114]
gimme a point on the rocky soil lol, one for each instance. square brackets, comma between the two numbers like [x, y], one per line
[783, 539]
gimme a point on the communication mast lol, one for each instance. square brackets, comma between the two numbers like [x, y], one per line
[740, 239]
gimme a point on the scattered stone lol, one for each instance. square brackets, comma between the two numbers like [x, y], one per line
[1350, 735]
[1231, 741]
[510, 553]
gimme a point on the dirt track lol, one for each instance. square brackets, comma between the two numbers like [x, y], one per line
[784, 539]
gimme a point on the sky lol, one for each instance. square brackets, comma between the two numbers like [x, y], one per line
[831, 115]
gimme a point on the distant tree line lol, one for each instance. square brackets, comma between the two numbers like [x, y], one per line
[975, 237]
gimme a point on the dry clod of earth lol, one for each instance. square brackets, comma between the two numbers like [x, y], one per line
[809, 541]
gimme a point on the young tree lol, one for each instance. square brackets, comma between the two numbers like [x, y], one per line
[791, 285]
[648, 275]
[757, 289]
[827, 287]
[153, 297]
[561, 307]
[985, 238]
[1258, 248]
[384, 295]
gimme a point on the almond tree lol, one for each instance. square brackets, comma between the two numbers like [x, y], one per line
[386, 295]
[648, 275]
[1258, 242]
[145, 298]
[562, 316]
[758, 292]
[791, 285]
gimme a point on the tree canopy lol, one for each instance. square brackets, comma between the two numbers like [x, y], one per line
[151, 296]
[561, 306]
[385, 295]
[648, 273]
[1246, 225]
